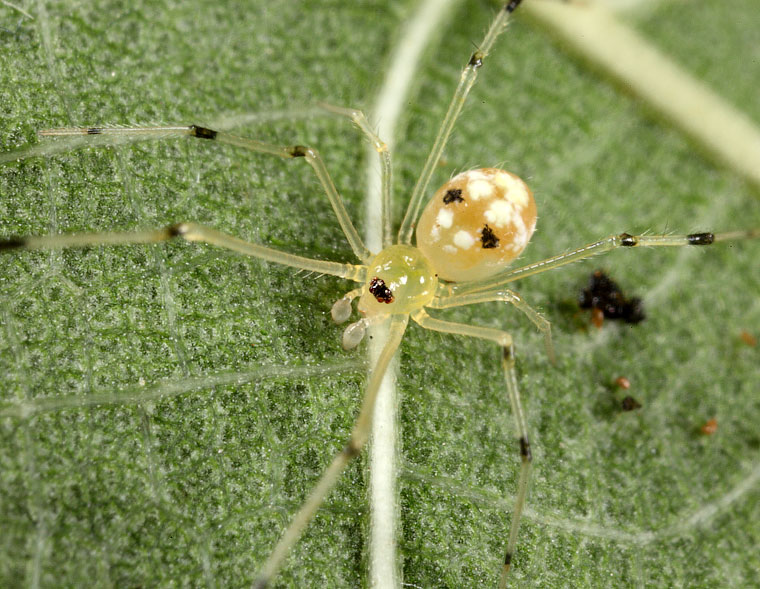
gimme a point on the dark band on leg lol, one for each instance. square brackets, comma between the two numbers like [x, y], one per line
[12, 243]
[628, 240]
[176, 230]
[476, 60]
[525, 449]
[701, 238]
[351, 450]
[202, 132]
[298, 151]
[94, 131]
[512, 5]
[508, 559]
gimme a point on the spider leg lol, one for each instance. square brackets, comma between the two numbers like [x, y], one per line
[118, 135]
[358, 438]
[188, 232]
[466, 81]
[503, 339]
[607, 244]
[506, 296]
[386, 168]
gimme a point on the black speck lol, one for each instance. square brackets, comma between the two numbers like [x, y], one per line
[701, 238]
[604, 294]
[453, 195]
[381, 292]
[12, 243]
[202, 132]
[489, 238]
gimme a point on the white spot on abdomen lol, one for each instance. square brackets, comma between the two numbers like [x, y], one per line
[513, 187]
[478, 189]
[499, 213]
[463, 240]
[445, 218]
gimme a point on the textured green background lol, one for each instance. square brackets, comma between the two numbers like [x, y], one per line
[194, 490]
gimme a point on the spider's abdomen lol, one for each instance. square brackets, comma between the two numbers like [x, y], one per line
[476, 224]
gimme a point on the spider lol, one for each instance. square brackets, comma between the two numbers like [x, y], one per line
[379, 292]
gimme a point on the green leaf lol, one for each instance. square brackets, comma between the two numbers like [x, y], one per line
[194, 489]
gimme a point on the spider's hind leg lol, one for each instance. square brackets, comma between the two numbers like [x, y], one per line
[506, 296]
[503, 339]
[359, 435]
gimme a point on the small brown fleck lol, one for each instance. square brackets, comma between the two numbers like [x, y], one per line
[597, 317]
[709, 427]
[748, 338]
[623, 382]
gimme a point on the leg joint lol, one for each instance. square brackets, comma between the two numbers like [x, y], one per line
[202, 132]
[177, 230]
[628, 240]
[352, 449]
[299, 151]
[476, 61]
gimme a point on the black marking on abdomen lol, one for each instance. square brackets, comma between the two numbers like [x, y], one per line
[489, 238]
[202, 132]
[701, 238]
[381, 292]
[453, 195]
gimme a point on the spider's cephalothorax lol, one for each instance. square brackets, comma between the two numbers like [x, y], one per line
[400, 279]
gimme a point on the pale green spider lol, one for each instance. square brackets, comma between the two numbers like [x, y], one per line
[321, 267]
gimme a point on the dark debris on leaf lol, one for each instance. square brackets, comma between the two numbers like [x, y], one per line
[603, 294]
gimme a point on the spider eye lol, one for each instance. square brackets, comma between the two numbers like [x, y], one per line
[476, 224]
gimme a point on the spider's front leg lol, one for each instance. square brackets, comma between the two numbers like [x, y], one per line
[500, 295]
[503, 339]
[188, 232]
[609, 243]
[79, 136]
